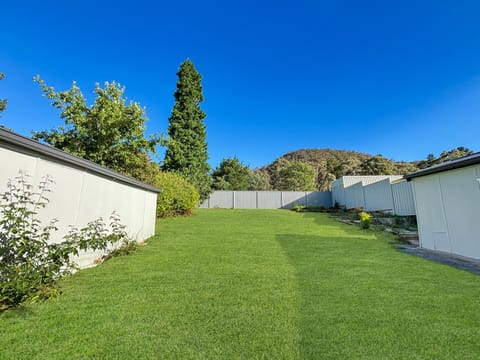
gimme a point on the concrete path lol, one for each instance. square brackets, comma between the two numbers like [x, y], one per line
[459, 262]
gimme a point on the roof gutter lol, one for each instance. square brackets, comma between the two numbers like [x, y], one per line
[451, 165]
[19, 143]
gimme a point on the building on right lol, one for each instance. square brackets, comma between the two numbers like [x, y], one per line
[447, 203]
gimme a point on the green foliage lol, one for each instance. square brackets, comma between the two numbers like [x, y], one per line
[178, 196]
[329, 165]
[110, 132]
[3, 102]
[297, 176]
[298, 208]
[231, 174]
[402, 168]
[444, 156]
[365, 220]
[258, 180]
[377, 165]
[29, 264]
[333, 164]
[187, 147]
[314, 289]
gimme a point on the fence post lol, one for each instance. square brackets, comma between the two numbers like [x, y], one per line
[233, 199]
[256, 199]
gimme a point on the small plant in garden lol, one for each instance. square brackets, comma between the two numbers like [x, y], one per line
[298, 208]
[30, 264]
[365, 220]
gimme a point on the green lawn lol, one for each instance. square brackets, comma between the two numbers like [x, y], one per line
[254, 284]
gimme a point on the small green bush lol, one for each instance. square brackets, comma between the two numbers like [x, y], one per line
[178, 196]
[365, 220]
[30, 264]
[298, 208]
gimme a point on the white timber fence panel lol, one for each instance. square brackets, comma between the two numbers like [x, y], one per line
[81, 191]
[266, 199]
[378, 196]
[403, 201]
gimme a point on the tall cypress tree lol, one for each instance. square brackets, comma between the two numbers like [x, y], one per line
[3, 102]
[187, 147]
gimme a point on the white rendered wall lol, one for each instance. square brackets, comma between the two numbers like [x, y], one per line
[79, 197]
[448, 208]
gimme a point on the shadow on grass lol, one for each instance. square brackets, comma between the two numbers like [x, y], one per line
[17, 311]
[324, 265]
[326, 219]
[343, 282]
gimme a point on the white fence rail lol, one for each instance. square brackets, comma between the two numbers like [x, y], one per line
[266, 199]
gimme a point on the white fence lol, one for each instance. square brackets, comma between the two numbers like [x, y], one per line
[378, 196]
[82, 191]
[403, 198]
[376, 193]
[266, 199]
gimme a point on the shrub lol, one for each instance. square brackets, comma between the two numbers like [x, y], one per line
[365, 220]
[29, 264]
[178, 196]
[298, 208]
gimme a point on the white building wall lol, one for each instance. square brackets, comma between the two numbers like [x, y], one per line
[79, 197]
[448, 208]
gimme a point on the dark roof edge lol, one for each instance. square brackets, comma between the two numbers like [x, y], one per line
[462, 162]
[20, 141]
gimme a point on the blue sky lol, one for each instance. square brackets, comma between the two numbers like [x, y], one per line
[397, 78]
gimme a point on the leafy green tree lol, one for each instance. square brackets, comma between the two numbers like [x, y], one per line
[274, 172]
[258, 180]
[377, 165]
[231, 174]
[297, 176]
[109, 132]
[445, 156]
[402, 168]
[187, 147]
[3, 102]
